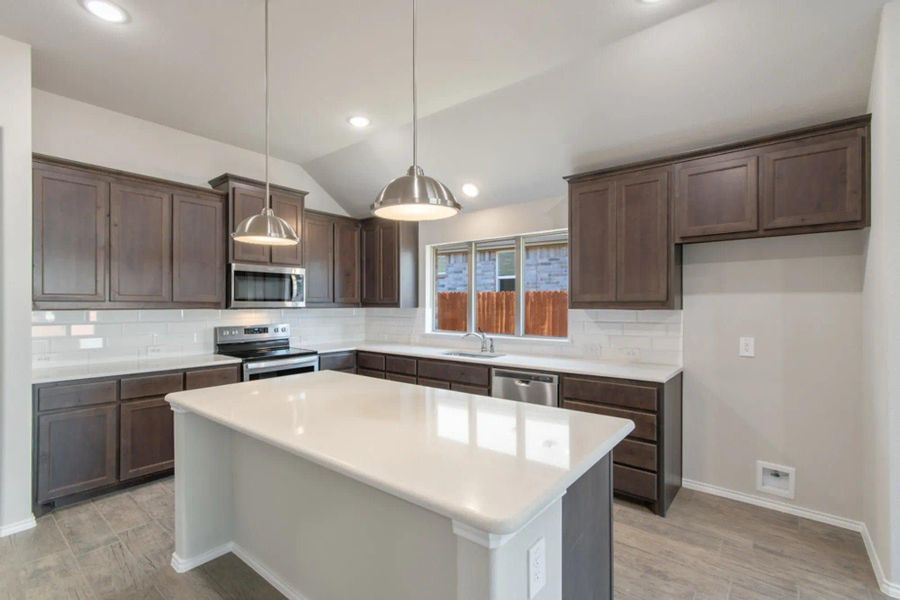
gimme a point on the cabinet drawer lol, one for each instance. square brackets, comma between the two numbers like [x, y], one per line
[204, 378]
[634, 482]
[644, 423]
[457, 372]
[400, 364]
[338, 361]
[400, 378]
[367, 360]
[434, 383]
[151, 385]
[74, 395]
[370, 373]
[470, 389]
[636, 454]
[628, 395]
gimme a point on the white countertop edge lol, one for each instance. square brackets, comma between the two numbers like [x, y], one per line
[656, 373]
[118, 368]
[489, 525]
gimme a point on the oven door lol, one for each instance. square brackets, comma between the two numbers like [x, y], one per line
[266, 369]
[262, 286]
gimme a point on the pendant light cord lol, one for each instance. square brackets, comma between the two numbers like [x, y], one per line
[415, 103]
[266, 204]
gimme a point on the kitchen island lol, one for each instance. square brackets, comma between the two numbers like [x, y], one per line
[335, 486]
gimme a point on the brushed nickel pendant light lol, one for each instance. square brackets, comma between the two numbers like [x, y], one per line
[415, 196]
[265, 228]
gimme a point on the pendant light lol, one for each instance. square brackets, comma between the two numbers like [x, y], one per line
[265, 228]
[415, 196]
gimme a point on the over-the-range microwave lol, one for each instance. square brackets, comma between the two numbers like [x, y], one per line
[264, 286]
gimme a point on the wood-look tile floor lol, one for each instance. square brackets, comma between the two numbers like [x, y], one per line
[119, 547]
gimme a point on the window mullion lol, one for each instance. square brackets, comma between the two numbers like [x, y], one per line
[520, 286]
[472, 293]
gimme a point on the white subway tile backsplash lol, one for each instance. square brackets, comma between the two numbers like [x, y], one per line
[57, 336]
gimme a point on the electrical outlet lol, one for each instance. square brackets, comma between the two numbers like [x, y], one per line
[747, 347]
[537, 568]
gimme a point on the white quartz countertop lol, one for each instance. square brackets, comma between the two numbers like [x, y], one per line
[487, 463]
[127, 367]
[579, 366]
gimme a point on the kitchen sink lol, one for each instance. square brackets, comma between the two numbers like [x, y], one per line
[472, 354]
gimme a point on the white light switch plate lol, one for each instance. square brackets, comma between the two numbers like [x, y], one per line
[537, 568]
[747, 347]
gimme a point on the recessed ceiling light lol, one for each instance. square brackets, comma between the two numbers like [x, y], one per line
[106, 10]
[359, 121]
[649, 1]
[470, 190]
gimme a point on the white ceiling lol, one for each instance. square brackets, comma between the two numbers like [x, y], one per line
[515, 93]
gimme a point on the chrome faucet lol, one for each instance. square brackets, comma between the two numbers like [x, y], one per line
[485, 340]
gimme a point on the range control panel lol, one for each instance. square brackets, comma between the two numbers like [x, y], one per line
[252, 333]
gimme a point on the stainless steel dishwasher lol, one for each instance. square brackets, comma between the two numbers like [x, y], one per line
[525, 386]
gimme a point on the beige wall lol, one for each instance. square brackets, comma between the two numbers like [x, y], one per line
[797, 403]
[78, 131]
[15, 289]
[880, 401]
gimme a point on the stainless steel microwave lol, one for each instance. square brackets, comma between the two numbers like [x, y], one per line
[264, 286]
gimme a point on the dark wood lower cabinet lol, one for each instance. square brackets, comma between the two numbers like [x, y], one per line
[76, 451]
[647, 464]
[147, 441]
[400, 378]
[93, 436]
[587, 535]
[337, 361]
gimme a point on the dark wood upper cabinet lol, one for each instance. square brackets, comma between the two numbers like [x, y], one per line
[716, 195]
[246, 197]
[592, 242]
[198, 249]
[75, 451]
[290, 208]
[246, 202]
[390, 263]
[109, 239]
[140, 244]
[71, 209]
[642, 237]
[346, 261]
[620, 254]
[813, 181]
[318, 248]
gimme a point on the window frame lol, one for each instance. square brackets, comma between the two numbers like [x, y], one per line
[520, 242]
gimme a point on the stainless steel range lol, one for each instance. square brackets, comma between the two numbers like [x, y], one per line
[266, 350]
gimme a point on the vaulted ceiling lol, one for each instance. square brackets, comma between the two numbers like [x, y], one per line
[513, 94]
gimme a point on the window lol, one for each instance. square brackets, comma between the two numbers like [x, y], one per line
[510, 286]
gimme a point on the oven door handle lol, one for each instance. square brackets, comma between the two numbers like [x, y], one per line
[284, 362]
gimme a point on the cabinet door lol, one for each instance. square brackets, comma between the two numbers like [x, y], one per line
[289, 208]
[198, 249]
[813, 181]
[318, 252]
[716, 195]
[70, 235]
[147, 438]
[390, 262]
[76, 451]
[642, 253]
[346, 262]
[592, 243]
[246, 202]
[140, 244]
[371, 262]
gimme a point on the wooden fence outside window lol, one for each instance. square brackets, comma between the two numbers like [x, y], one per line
[546, 313]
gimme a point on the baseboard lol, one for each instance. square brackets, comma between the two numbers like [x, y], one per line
[887, 587]
[22, 525]
[274, 580]
[182, 565]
